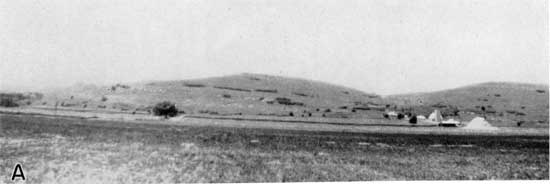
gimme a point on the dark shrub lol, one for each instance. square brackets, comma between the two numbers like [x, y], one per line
[8, 102]
[194, 85]
[519, 123]
[300, 94]
[166, 109]
[400, 116]
[266, 90]
[13, 99]
[413, 119]
[291, 114]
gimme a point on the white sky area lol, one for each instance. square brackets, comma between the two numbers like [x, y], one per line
[380, 46]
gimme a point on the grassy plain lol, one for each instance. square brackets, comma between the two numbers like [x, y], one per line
[71, 150]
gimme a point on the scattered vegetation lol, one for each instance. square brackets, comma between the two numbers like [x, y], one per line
[254, 78]
[337, 115]
[518, 113]
[18, 99]
[209, 112]
[194, 85]
[233, 89]
[287, 101]
[119, 86]
[373, 96]
[8, 101]
[439, 105]
[266, 90]
[361, 108]
[301, 94]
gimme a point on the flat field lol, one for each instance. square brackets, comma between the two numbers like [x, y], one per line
[73, 150]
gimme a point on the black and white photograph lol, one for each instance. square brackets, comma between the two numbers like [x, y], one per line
[274, 91]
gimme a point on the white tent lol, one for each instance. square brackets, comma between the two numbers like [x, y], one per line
[435, 116]
[479, 123]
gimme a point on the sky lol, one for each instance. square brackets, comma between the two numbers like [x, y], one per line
[380, 46]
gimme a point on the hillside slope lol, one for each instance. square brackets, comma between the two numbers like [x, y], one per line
[513, 101]
[243, 93]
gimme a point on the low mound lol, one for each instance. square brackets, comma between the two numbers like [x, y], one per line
[509, 102]
[235, 94]
[479, 123]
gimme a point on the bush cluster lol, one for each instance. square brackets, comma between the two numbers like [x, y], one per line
[166, 109]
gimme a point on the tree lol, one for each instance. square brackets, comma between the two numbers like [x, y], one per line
[413, 119]
[166, 109]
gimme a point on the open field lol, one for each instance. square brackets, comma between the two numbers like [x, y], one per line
[70, 150]
[282, 123]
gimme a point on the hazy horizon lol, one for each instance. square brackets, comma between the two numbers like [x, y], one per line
[383, 47]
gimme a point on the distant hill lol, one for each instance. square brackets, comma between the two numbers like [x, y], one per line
[243, 93]
[504, 104]
[512, 101]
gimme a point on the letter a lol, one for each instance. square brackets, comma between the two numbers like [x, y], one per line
[21, 175]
